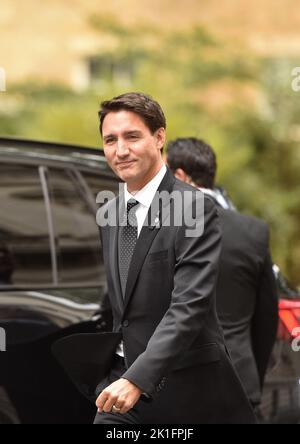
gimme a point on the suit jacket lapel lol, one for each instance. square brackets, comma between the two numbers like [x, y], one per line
[147, 237]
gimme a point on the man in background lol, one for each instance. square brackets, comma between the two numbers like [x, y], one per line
[247, 300]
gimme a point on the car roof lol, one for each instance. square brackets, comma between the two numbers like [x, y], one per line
[39, 150]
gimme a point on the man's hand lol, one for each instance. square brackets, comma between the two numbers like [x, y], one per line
[122, 395]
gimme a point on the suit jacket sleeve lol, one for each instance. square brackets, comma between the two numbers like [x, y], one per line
[195, 278]
[265, 320]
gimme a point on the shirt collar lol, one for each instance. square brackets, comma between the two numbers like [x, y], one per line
[146, 195]
[217, 197]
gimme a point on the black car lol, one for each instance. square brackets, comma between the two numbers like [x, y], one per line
[281, 396]
[52, 279]
[52, 284]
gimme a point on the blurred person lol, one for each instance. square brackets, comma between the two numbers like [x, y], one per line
[247, 299]
[171, 366]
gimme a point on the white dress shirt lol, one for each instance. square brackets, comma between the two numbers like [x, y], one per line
[217, 197]
[145, 198]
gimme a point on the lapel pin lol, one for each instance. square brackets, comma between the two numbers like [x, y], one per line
[156, 223]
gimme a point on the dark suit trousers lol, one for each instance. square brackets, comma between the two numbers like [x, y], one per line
[132, 417]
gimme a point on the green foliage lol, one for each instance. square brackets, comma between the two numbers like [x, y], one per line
[259, 158]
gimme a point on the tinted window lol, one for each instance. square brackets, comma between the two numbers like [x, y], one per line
[97, 183]
[24, 242]
[79, 256]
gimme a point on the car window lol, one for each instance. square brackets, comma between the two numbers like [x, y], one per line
[24, 241]
[79, 256]
[97, 183]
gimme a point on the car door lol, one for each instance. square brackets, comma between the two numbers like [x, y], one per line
[52, 284]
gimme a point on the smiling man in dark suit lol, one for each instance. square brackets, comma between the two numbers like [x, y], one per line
[171, 366]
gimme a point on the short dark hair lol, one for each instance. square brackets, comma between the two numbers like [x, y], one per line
[196, 158]
[141, 104]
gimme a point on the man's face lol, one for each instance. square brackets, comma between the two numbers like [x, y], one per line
[132, 151]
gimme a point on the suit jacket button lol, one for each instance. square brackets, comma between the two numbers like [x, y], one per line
[126, 324]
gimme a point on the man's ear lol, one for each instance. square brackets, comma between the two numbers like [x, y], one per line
[181, 175]
[161, 138]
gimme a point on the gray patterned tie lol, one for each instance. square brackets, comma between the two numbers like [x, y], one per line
[127, 240]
